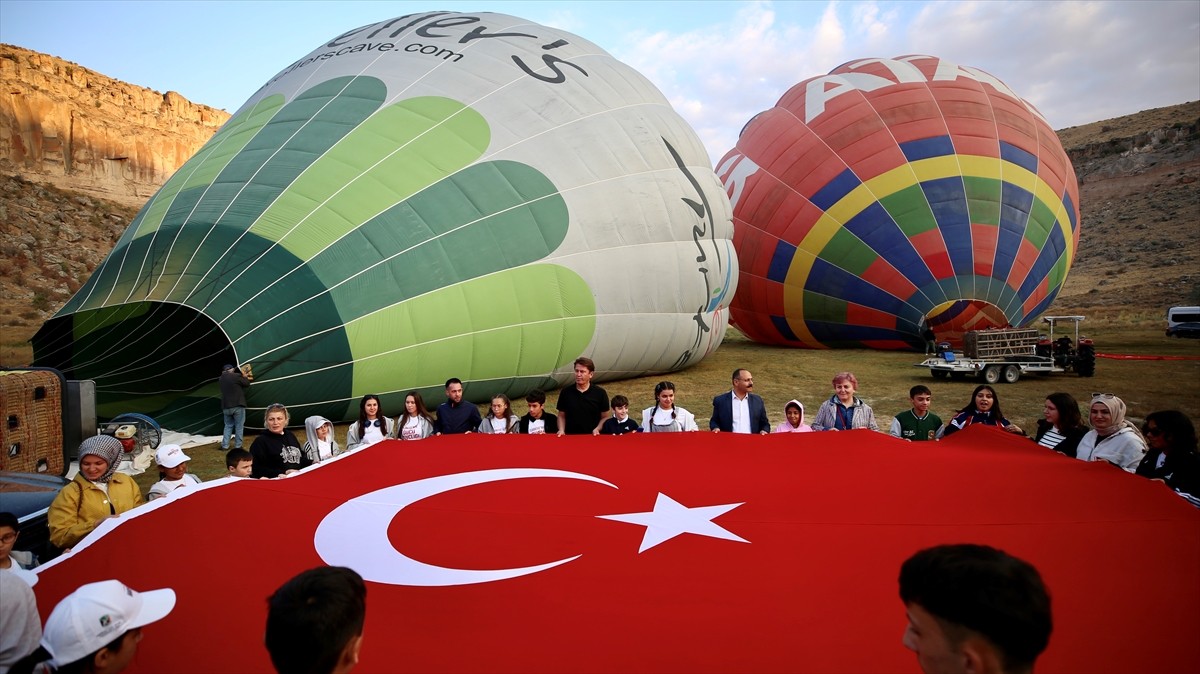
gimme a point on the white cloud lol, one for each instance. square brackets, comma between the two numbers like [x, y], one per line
[1077, 62]
[719, 76]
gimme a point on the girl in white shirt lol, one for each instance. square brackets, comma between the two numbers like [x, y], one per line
[500, 419]
[665, 416]
[416, 423]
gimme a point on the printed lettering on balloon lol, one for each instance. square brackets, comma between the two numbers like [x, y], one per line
[821, 90]
[551, 62]
[433, 27]
[704, 231]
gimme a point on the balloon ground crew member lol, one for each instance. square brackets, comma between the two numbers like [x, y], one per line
[234, 383]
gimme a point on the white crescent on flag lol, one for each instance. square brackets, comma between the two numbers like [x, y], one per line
[355, 533]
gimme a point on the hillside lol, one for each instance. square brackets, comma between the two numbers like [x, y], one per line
[1140, 200]
[1140, 244]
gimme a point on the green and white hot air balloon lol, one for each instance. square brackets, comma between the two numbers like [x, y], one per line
[438, 195]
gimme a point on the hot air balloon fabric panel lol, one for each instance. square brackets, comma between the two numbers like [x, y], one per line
[893, 194]
[437, 195]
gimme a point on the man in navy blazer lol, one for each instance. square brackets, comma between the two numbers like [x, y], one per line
[751, 416]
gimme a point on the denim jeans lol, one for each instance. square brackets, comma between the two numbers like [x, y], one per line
[235, 419]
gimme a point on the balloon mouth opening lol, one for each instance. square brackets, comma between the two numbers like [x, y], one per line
[951, 320]
[148, 357]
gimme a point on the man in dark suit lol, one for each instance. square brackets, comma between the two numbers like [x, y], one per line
[739, 411]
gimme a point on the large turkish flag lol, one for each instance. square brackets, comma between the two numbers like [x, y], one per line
[678, 552]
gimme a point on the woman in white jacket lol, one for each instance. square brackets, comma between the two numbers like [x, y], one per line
[665, 416]
[1112, 438]
[371, 427]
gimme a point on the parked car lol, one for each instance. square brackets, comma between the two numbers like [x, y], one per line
[28, 496]
[1184, 330]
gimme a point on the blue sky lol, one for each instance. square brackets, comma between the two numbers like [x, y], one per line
[719, 63]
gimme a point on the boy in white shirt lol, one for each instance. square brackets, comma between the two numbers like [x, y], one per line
[537, 421]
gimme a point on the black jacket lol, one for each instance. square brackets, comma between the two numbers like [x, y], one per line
[550, 419]
[1070, 445]
[1181, 471]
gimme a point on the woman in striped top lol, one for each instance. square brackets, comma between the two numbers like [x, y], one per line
[1063, 427]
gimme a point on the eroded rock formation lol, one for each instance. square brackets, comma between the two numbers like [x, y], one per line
[75, 128]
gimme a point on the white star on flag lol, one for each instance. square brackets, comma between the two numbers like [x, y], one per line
[671, 518]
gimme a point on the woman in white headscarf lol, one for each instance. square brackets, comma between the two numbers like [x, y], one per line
[1112, 438]
[97, 492]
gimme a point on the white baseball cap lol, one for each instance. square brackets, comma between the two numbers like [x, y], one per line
[93, 616]
[169, 456]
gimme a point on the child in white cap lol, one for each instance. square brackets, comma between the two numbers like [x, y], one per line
[96, 629]
[172, 466]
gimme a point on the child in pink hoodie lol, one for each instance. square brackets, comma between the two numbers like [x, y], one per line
[794, 411]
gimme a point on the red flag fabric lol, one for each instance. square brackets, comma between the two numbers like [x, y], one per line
[666, 552]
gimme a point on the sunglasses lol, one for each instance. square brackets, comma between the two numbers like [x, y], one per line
[1103, 396]
[1151, 431]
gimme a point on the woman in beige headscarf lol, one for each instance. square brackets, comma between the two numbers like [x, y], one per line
[1112, 438]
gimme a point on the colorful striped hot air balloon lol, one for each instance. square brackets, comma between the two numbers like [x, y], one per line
[896, 194]
[437, 195]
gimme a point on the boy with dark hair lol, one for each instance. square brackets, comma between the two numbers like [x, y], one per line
[619, 423]
[973, 608]
[917, 424]
[315, 622]
[536, 421]
[239, 462]
[10, 529]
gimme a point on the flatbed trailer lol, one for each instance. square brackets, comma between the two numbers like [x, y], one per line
[991, 371]
[1004, 355]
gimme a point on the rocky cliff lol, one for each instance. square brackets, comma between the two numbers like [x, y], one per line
[63, 124]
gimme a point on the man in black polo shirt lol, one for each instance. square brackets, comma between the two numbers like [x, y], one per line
[582, 408]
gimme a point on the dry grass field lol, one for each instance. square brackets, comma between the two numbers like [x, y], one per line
[885, 377]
